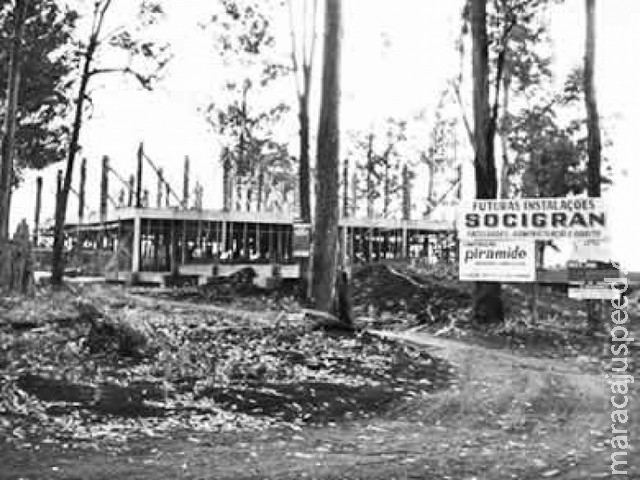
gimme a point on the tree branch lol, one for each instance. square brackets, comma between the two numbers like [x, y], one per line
[463, 113]
[314, 16]
[294, 50]
[142, 79]
[504, 42]
[101, 16]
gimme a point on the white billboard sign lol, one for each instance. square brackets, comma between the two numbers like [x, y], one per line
[502, 261]
[532, 219]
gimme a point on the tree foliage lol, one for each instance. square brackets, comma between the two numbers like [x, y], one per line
[244, 123]
[43, 99]
[550, 144]
[379, 164]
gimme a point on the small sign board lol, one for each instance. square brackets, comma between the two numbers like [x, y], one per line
[532, 219]
[501, 261]
[301, 239]
[590, 272]
[593, 292]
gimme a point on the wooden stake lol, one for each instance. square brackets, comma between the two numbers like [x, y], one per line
[132, 187]
[36, 222]
[139, 177]
[81, 191]
[104, 188]
[160, 184]
[185, 184]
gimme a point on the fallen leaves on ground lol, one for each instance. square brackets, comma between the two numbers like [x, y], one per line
[199, 371]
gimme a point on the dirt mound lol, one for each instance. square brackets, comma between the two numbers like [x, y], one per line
[398, 291]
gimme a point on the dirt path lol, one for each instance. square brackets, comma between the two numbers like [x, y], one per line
[507, 417]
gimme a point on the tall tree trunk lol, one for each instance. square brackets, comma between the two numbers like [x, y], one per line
[505, 176]
[328, 164]
[57, 263]
[487, 305]
[345, 189]
[594, 143]
[305, 69]
[304, 190]
[593, 121]
[7, 146]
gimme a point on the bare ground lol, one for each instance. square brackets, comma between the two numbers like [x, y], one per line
[510, 413]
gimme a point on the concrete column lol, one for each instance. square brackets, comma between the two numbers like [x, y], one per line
[136, 247]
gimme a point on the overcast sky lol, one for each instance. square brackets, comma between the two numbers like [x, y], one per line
[399, 80]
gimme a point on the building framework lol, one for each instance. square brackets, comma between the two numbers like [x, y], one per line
[150, 245]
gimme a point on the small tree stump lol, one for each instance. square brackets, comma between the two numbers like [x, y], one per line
[16, 262]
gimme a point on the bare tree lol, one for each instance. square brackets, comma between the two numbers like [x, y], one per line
[119, 38]
[61, 200]
[303, 68]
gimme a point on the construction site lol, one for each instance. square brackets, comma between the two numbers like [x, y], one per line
[135, 241]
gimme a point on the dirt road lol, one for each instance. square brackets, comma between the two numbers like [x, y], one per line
[508, 416]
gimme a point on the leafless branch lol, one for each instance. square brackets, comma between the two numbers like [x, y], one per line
[144, 80]
[101, 15]
[463, 113]
[312, 50]
[294, 50]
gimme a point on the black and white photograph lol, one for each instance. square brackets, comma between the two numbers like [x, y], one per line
[319, 239]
